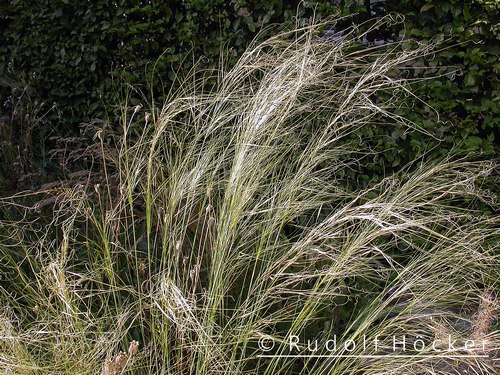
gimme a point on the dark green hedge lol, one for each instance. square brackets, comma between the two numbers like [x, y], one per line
[467, 96]
[69, 51]
[464, 102]
[76, 54]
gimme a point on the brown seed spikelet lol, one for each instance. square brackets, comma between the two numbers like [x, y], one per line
[133, 348]
[115, 366]
[485, 316]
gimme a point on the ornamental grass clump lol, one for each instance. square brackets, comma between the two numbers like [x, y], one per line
[222, 234]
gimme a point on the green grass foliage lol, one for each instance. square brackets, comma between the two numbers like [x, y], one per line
[222, 221]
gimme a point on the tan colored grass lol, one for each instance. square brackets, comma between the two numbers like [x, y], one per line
[225, 217]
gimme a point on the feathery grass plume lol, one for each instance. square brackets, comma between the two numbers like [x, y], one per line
[225, 237]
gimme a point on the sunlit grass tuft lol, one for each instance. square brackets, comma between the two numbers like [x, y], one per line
[227, 221]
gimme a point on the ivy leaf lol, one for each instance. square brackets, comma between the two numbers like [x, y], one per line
[466, 12]
[473, 143]
[426, 7]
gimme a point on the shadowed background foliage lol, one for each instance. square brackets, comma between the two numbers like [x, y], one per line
[64, 63]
